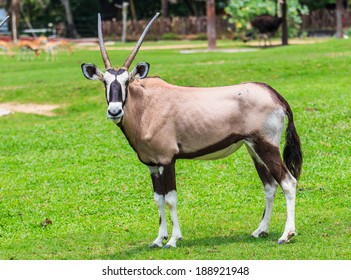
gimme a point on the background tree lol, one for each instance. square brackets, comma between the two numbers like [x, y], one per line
[241, 13]
[132, 10]
[339, 12]
[322, 4]
[211, 24]
[284, 10]
[338, 5]
[164, 8]
[14, 8]
[71, 28]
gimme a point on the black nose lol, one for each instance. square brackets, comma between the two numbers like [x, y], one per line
[115, 113]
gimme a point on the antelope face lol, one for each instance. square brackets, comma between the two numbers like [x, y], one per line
[116, 85]
[116, 81]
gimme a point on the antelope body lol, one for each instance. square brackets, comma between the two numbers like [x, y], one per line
[165, 122]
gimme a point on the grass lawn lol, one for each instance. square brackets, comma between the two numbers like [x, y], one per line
[77, 169]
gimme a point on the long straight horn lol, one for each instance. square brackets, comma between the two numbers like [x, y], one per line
[132, 55]
[4, 21]
[102, 46]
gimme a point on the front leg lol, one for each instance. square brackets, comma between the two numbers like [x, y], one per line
[169, 179]
[164, 183]
[171, 200]
[159, 198]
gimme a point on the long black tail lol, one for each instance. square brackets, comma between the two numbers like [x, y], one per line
[292, 153]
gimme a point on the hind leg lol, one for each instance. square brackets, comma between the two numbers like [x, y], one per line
[268, 155]
[289, 188]
[270, 189]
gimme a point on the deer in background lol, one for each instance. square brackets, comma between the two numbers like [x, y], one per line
[3, 44]
[42, 44]
[267, 26]
[6, 48]
[164, 122]
[27, 49]
[53, 47]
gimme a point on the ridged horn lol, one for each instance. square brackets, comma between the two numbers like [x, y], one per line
[132, 55]
[102, 45]
[4, 21]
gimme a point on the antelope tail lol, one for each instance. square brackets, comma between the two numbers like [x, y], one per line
[292, 153]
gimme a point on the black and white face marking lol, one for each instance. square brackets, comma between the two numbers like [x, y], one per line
[116, 83]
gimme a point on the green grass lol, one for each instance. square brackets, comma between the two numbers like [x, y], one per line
[78, 170]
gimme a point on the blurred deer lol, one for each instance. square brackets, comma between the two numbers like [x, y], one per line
[266, 25]
[27, 49]
[5, 47]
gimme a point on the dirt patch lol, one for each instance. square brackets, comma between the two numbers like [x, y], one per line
[29, 108]
[11, 87]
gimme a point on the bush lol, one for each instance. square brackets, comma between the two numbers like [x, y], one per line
[241, 13]
[169, 36]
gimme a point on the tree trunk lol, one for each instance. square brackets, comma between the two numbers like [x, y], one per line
[132, 10]
[124, 19]
[211, 24]
[164, 7]
[191, 8]
[339, 11]
[71, 28]
[15, 16]
[285, 34]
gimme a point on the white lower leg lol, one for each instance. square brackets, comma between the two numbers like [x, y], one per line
[171, 200]
[162, 232]
[289, 188]
[270, 191]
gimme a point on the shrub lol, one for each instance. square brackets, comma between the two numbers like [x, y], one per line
[240, 13]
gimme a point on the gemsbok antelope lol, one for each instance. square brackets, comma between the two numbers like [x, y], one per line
[165, 122]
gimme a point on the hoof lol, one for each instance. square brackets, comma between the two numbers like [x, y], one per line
[287, 240]
[167, 247]
[282, 241]
[261, 234]
[154, 245]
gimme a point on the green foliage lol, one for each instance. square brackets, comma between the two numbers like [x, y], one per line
[313, 4]
[169, 36]
[78, 170]
[241, 13]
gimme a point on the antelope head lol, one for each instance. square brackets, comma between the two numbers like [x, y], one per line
[116, 80]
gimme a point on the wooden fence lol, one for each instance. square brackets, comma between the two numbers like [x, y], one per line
[172, 28]
[322, 21]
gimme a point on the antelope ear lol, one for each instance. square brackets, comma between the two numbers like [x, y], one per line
[91, 72]
[139, 72]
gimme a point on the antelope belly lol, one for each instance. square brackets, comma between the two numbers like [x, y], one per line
[221, 153]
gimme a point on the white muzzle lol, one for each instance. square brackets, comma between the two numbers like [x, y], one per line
[115, 111]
